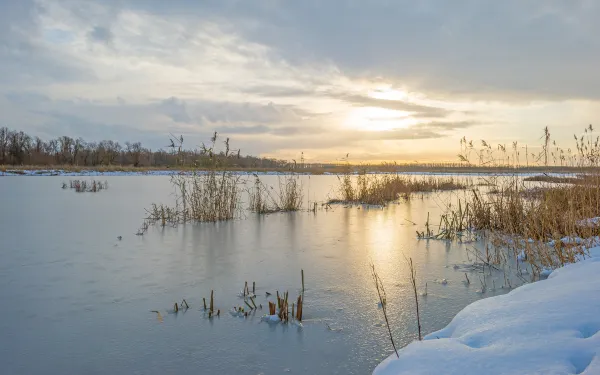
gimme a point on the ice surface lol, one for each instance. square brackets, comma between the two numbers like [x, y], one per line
[548, 327]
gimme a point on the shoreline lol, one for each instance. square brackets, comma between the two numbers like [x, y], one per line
[547, 327]
[119, 171]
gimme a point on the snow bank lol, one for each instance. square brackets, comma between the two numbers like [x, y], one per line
[548, 327]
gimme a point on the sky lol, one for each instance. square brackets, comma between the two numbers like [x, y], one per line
[400, 80]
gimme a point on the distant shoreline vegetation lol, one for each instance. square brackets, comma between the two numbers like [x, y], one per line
[49, 170]
[21, 152]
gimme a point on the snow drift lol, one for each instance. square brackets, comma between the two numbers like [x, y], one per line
[548, 327]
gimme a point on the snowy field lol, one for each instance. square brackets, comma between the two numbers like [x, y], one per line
[548, 327]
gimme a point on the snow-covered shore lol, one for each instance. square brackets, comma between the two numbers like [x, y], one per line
[548, 327]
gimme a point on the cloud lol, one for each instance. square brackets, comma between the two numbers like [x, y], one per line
[282, 131]
[449, 125]
[493, 50]
[397, 105]
[175, 109]
[278, 91]
[99, 34]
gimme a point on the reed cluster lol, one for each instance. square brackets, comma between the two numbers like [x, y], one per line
[208, 195]
[381, 189]
[264, 199]
[83, 186]
[544, 218]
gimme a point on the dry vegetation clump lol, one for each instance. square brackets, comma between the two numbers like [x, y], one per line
[382, 189]
[213, 191]
[548, 223]
[210, 195]
[260, 199]
[83, 186]
[290, 193]
[264, 199]
[581, 179]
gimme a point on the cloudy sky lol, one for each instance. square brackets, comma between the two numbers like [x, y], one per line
[381, 79]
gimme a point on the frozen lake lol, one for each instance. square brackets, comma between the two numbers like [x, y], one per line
[75, 299]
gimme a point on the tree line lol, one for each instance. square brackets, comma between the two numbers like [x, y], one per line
[19, 148]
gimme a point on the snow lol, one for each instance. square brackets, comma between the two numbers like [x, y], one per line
[547, 327]
[271, 319]
[590, 223]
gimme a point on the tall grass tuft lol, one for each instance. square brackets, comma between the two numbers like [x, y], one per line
[381, 189]
[545, 218]
[290, 193]
[264, 199]
[208, 195]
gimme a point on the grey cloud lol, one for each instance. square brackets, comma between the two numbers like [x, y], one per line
[483, 49]
[23, 60]
[175, 109]
[277, 91]
[254, 129]
[232, 112]
[280, 131]
[26, 97]
[200, 111]
[160, 117]
[58, 123]
[101, 34]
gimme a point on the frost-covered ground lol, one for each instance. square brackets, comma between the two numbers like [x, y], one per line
[548, 327]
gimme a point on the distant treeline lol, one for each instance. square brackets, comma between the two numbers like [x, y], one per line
[19, 148]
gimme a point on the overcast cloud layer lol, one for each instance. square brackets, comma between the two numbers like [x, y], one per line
[401, 80]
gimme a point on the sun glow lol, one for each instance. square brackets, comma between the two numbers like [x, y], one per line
[388, 93]
[378, 119]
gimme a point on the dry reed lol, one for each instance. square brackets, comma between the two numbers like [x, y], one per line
[264, 199]
[208, 195]
[383, 302]
[543, 217]
[381, 189]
